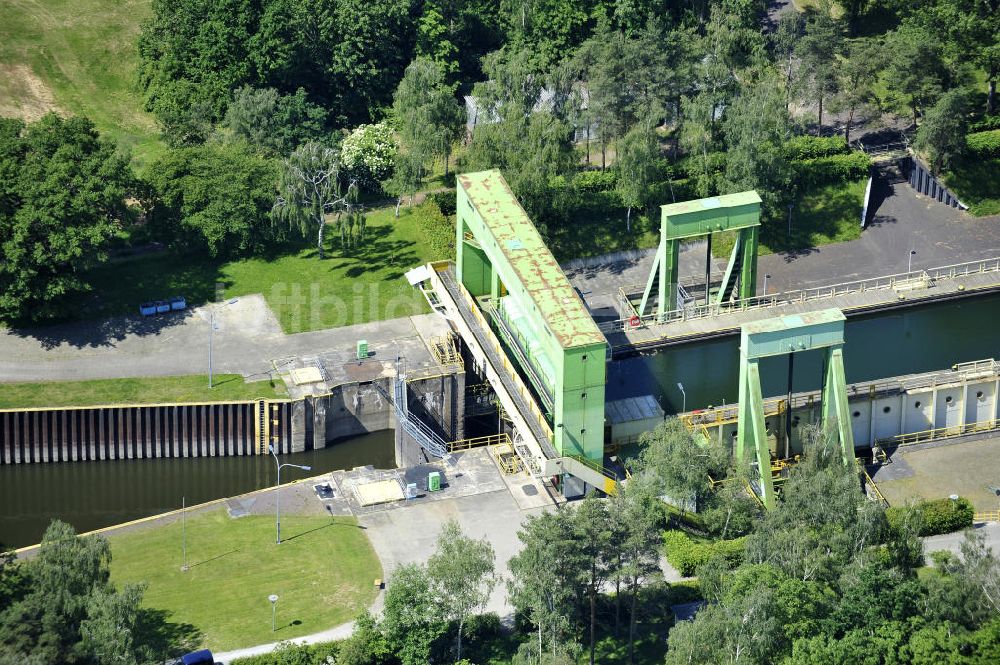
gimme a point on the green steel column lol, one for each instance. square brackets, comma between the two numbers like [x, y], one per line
[654, 273]
[744, 413]
[460, 229]
[835, 404]
[748, 274]
[755, 431]
[668, 277]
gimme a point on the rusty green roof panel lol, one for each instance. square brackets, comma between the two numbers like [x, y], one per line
[523, 248]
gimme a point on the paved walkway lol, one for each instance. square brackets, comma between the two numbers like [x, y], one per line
[902, 220]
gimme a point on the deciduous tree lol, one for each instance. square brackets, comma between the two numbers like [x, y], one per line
[462, 568]
[62, 200]
[310, 187]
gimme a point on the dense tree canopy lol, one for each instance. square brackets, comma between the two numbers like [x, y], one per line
[62, 607]
[214, 197]
[346, 54]
[62, 199]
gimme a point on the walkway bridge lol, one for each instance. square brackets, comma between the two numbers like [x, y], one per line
[533, 436]
[698, 321]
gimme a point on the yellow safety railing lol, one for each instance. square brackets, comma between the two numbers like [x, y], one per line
[445, 351]
[988, 516]
[871, 483]
[924, 436]
[505, 456]
[477, 442]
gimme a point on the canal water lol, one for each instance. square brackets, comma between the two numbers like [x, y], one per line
[96, 494]
[92, 495]
[907, 341]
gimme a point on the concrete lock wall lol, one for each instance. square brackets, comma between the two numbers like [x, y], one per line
[139, 432]
[217, 429]
[885, 416]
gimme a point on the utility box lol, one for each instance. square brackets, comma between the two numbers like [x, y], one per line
[433, 481]
[362, 349]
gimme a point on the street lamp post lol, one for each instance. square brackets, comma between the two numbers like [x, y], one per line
[909, 260]
[684, 402]
[766, 275]
[277, 494]
[274, 606]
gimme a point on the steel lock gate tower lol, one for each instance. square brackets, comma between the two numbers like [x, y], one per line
[782, 336]
[701, 218]
[548, 333]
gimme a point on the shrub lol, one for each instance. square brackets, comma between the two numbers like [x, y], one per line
[986, 124]
[445, 201]
[831, 169]
[984, 144]
[368, 154]
[686, 554]
[945, 516]
[811, 147]
[439, 232]
[693, 166]
[287, 653]
[937, 516]
[595, 181]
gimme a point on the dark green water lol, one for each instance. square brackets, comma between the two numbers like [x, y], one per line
[907, 341]
[98, 494]
[92, 495]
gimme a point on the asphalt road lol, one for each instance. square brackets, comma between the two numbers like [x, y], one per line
[246, 341]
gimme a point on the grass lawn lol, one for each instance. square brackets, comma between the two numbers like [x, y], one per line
[322, 573]
[602, 230]
[80, 57]
[193, 388]
[821, 216]
[304, 292]
[977, 184]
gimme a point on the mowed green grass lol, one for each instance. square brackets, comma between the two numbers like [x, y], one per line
[322, 573]
[81, 54]
[821, 216]
[151, 390]
[977, 184]
[304, 292]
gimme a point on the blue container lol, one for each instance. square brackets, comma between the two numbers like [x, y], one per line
[177, 303]
[198, 658]
[162, 306]
[147, 308]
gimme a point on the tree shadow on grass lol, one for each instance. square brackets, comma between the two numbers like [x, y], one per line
[163, 637]
[117, 291]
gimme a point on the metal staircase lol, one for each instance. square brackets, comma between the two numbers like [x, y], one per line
[425, 437]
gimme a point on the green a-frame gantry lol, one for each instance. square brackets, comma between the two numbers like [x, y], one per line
[783, 336]
[703, 217]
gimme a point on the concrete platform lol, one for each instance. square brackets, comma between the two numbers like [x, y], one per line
[966, 467]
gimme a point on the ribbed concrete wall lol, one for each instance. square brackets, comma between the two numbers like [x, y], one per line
[141, 432]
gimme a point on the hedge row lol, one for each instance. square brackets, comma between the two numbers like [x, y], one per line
[595, 181]
[937, 515]
[811, 147]
[832, 169]
[685, 554]
[986, 124]
[288, 653]
[984, 144]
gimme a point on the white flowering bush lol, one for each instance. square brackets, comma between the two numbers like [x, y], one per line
[367, 154]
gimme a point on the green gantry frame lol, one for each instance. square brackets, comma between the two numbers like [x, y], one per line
[783, 336]
[703, 217]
